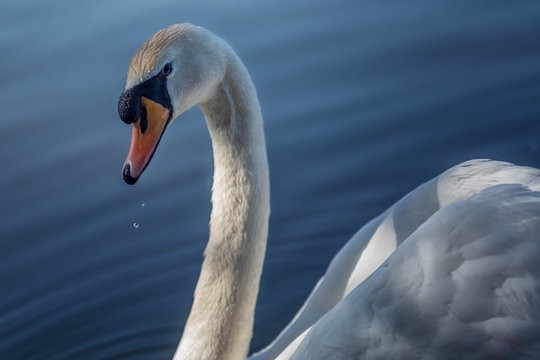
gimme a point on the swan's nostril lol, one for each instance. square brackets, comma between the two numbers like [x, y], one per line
[144, 120]
[126, 174]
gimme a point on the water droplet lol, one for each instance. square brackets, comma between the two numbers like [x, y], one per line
[136, 225]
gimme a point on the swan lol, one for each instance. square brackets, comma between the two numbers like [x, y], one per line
[451, 271]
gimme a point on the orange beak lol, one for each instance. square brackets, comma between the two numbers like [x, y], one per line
[146, 134]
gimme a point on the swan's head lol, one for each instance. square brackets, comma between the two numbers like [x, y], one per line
[173, 70]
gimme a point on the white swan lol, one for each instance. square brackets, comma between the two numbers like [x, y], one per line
[451, 271]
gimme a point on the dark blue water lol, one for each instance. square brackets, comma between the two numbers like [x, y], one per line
[362, 101]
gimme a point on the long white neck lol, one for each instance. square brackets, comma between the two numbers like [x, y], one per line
[220, 323]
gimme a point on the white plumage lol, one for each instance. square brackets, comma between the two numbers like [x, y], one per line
[460, 276]
[451, 271]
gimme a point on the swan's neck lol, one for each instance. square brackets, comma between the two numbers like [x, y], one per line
[220, 323]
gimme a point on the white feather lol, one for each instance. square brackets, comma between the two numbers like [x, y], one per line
[464, 285]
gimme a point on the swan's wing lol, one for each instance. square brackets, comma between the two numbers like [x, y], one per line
[464, 285]
[375, 241]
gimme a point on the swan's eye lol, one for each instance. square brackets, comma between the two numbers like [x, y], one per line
[167, 69]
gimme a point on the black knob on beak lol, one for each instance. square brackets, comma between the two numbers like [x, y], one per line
[129, 105]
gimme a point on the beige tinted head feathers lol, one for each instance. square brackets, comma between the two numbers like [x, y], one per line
[151, 53]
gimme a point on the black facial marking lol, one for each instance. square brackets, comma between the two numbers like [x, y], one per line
[155, 89]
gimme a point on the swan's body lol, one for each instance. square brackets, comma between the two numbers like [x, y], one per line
[459, 275]
[460, 256]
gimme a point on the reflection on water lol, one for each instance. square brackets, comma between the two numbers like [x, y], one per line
[362, 102]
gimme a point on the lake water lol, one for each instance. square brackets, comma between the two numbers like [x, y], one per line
[362, 101]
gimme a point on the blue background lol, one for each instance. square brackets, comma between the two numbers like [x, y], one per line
[363, 101]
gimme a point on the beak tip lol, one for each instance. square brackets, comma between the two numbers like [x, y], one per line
[126, 174]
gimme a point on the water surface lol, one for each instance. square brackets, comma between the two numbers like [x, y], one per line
[362, 101]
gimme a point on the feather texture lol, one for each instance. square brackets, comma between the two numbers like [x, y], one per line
[464, 285]
[471, 183]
